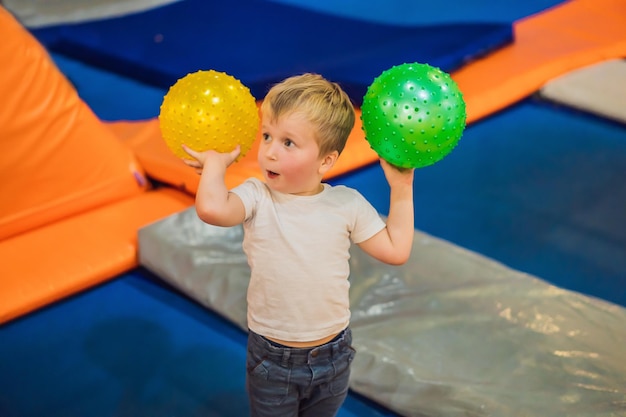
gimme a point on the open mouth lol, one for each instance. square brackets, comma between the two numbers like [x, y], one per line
[271, 174]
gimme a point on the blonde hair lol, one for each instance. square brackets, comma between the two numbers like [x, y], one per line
[322, 102]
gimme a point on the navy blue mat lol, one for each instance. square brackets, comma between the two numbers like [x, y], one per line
[261, 42]
[129, 348]
[411, 12]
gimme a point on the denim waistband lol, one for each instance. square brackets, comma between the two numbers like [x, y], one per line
[293, 355]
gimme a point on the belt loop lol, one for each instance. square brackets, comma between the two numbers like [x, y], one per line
[336, 345]
[285, 358]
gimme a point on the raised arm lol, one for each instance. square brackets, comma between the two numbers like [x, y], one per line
[393, 244]
[215, 204]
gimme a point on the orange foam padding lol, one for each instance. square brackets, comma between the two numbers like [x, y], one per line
[60, 259]
[567, 37]
[161, 164]
[58, 159]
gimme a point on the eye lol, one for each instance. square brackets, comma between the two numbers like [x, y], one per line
[289, 143]
[266, 137]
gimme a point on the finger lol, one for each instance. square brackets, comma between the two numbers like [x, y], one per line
[192, 163]
[235, 152]
[190, 151]
[231, 156]
[388, 165]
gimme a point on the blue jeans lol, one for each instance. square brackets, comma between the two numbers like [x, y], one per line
[298, 382]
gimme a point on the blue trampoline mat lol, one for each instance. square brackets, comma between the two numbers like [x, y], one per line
[129, 348]
[411, 12]
[262, 42]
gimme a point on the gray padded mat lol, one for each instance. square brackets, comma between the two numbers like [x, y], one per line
[599, 89]
[451, 333]
[39, 13]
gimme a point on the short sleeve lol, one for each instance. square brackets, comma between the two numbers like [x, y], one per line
[250, 192]
[367, 222]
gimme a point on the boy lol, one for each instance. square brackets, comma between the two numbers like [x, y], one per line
[297, 234]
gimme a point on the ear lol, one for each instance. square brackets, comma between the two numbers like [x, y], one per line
[327, 162]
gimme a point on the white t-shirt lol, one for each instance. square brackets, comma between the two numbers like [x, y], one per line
[298, 251]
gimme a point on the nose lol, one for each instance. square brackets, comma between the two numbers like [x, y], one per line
[268, 149]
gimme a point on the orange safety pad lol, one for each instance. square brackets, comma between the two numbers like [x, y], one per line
[547, 45]
[162, 165]
[62, 258]
[58, 158]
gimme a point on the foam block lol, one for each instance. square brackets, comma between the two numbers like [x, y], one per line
[52, 262]
[58, 159]
[72, 194]
[599, 89]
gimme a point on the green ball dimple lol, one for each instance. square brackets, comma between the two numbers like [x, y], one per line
[408, 99]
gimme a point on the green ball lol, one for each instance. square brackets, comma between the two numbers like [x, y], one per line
[413, 115]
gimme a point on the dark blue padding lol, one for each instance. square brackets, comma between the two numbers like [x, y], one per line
[262, 42]
[130, 347]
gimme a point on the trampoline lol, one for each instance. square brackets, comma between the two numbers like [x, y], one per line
[536, 186]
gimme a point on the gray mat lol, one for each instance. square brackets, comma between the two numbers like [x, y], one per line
[451, 333]
[599, 89]
[39, 13]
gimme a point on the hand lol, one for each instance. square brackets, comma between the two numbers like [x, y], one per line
[396, 175]
[200, 159]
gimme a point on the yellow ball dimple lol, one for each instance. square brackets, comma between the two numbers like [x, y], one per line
[208, 110]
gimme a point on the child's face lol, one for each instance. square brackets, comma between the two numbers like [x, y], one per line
[289, 155]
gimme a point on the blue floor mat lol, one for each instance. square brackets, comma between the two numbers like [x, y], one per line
[411, 12]
[129, 348]
[261, 42]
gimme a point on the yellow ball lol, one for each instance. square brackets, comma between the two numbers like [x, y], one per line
[208, 110]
